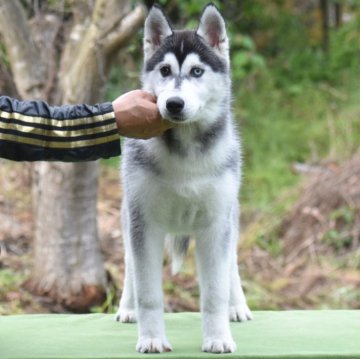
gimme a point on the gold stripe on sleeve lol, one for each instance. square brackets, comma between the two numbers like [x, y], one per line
[54, 122]
[56, 144]
[58, 133]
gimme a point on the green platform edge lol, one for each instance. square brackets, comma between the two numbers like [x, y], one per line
[272, 334]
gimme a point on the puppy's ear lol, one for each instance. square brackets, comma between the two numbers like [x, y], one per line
[157, 28]
[212, 29]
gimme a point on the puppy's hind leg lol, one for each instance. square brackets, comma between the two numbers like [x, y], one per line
[238, 309]
[126, 311]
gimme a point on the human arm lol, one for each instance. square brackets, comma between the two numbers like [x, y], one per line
[34, 131]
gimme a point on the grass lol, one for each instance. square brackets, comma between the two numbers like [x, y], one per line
[279, 129]
[10, 299]
[111, 162]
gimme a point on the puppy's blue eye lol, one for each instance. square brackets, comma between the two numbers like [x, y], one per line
[165, 71]
[196, 72]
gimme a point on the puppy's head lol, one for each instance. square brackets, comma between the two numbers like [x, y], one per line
[187, 70]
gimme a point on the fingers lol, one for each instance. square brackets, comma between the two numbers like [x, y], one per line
[147, 96]
[137, 115]
[150, 97]
[166, 125]
[163, 125]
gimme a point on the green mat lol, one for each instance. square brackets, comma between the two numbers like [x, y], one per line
[289, 334]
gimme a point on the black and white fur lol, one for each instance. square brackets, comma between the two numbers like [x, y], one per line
[183, 183]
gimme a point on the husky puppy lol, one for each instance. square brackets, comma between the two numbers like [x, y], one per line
[183, 183]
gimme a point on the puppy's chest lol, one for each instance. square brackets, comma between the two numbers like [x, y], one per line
[183, 207]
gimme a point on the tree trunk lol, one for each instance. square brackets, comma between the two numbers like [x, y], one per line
[68, 262]
[324, 8]
[338, 14]
[7, 84]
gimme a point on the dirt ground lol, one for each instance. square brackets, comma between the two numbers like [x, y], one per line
[310, 258]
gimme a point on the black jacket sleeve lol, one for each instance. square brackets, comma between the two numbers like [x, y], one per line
[35, 131]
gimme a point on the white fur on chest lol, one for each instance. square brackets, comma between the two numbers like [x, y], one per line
[182, 208]
[188, 194]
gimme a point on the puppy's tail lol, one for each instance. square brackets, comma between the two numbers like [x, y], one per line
[178, 247]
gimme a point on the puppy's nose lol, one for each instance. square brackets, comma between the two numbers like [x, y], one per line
[175, 105]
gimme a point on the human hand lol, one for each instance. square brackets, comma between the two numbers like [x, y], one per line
[137, 115]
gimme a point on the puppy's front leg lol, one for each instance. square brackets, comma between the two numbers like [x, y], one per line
[147, 244]
[213, 254]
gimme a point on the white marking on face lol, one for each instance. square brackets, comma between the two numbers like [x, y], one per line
[201, 95]
[182, 47]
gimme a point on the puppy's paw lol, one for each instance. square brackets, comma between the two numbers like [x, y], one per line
[125, 316]
[153, 345]
[226, 345]
[240, 313]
